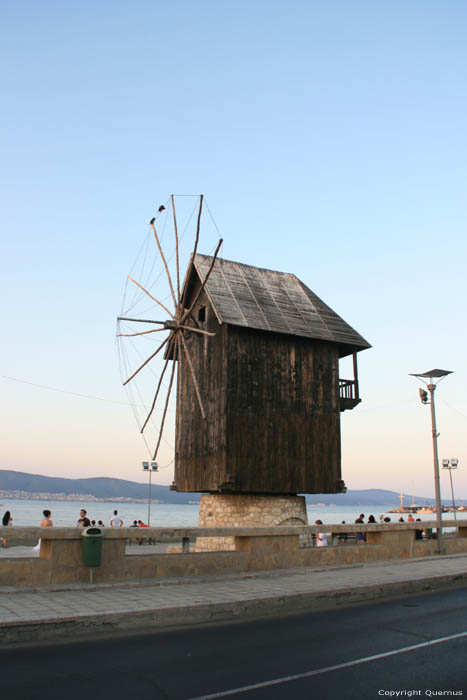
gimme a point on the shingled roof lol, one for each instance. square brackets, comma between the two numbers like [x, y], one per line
[243, 295]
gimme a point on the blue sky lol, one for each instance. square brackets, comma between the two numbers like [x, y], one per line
[329, 141]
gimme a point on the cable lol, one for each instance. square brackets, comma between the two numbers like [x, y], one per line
[64, 391]
[212, 219]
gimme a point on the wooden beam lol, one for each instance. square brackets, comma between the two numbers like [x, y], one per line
[176, 249]
[355, 375]
[150, 296]
[166, 401]
[155, 396]
[196, 330]
[146, 362]
[165, 264]
[139, 320]
[193, 376]
[187, 313]
[132, 335]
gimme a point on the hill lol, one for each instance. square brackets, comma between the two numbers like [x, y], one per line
[99, 487]
[104, 487]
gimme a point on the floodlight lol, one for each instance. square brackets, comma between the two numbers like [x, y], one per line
[446, 464]
[145, 466]
[454, 462]
[423, 395]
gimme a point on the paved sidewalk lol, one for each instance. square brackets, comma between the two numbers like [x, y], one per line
[50, 612]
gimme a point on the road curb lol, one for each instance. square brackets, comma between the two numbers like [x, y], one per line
[110, 623]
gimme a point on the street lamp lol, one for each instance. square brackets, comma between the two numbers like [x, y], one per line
[451, 464]
[150, 467]
[428, 379]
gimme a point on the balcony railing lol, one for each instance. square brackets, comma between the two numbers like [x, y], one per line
[348, 394]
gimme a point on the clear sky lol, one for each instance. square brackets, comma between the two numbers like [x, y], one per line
[329, 140]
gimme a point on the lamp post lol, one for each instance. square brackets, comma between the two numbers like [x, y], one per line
[149, 467]
[451, 464]
[428, 379]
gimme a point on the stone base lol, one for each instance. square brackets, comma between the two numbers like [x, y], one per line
[241, 510]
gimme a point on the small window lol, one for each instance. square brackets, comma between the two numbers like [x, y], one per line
[202, 314]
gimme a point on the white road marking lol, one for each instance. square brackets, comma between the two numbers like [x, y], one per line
[327, 669]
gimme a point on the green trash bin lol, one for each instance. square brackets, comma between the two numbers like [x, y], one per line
[92, 546]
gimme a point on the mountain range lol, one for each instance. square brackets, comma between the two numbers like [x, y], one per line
[104, 487]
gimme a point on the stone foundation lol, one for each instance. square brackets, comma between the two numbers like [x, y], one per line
[240, 510]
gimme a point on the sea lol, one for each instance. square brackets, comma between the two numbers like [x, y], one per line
[66, 513]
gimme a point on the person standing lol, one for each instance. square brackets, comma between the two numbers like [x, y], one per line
[343, 537]
[83, 519]
[361, 537]
[116, 520]
[6, 520]
[418, 533]
[321, 537]
[45, 522]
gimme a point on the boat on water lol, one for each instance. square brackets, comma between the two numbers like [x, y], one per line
[413, 508]
[416, 508]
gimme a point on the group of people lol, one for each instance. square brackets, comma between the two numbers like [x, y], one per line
[84, 521]
[115, 521]
[322, 537]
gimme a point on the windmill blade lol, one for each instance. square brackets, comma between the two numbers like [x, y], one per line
[187, 313]
[155, 396]
[198, 224]
[196, 330]
[165, 263]
[132, 335]
[148, 360]
[176, 249]
[195, 382]
[167, 400]
[140, 320]
[151, 297]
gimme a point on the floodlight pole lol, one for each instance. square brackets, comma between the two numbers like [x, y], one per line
[431, 388]
[452, 494]
[451, 464]
[432, 375]
[149, 498]
[149, 467]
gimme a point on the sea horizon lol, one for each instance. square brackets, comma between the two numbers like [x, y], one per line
[66, 513]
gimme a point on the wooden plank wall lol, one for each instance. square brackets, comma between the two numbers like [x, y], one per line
[200, 447]
[283, 422]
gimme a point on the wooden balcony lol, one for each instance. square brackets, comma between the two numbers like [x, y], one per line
[348, 394]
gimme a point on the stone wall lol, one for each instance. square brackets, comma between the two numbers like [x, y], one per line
[235, 510]
[256, 549]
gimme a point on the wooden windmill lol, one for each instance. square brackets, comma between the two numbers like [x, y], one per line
[258, 392]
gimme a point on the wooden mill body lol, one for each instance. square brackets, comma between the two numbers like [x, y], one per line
[271, 394]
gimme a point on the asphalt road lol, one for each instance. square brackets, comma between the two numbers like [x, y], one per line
[420, 645]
